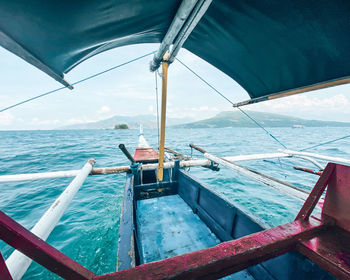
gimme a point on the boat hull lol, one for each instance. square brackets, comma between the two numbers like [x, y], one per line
[142, 240]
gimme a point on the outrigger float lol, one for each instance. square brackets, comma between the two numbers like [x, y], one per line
[172, 226]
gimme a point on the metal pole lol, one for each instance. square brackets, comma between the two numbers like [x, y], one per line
[126, 168]
[163, 116]
[37, 176]
[126, 153]
[314, 162]
[18, 263]
[180, 18]
[61, 174]
[294, 91]
[308, 170]
[282, 187]
[327, 158]
[198, 12]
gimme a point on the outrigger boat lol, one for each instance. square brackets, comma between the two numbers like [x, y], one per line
[179, 215]
[172, 226]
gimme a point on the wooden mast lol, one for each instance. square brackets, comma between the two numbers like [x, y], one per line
[165, 65]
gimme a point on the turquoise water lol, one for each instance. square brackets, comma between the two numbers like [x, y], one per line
[88, 231]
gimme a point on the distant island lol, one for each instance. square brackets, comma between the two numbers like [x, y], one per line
[121, 126]
[223, 119]
[133, 122]
[237, 119]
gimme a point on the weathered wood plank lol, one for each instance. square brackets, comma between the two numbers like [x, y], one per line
[126, 242]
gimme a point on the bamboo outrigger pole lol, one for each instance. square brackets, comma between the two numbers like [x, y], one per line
[17, 262]
[165, 65]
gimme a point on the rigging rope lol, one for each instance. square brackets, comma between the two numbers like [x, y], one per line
[232, 103]
[188, 68]
[324, 143]
[268, 133]
[257, 123]
[77, 82]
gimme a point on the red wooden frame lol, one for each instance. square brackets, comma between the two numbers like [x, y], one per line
[225, 258]
[40, 251]
[4, 272]
[317, 191]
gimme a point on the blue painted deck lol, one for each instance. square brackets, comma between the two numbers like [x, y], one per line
[168, 227]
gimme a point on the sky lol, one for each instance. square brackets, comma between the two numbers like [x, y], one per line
[130, 90]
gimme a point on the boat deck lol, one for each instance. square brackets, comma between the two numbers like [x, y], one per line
[168, 227]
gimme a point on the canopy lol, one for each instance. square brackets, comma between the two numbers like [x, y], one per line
[267, 46]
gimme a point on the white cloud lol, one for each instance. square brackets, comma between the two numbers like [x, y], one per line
[74, 121]
[204, 109]
[143, 89]
[305, 103]
[196, 113]
[314, 105]
[37, 121]
[104, 109]
[78, 120]
[6, 118]
[128, 93]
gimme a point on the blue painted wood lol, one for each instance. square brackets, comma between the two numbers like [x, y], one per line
[231, 221]
[220, 215]
[126, 249]
[168, 227]
[146, 191]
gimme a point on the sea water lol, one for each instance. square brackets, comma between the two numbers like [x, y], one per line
[88, 230]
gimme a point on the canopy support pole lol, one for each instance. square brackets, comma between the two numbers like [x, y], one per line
[165, 65]
[185, 20]
[17, 262]
[332, 83]
[198, 12]
[180, 18]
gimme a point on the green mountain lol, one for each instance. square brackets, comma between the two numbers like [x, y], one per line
[223, 119]
[147, 121]
[238, 119]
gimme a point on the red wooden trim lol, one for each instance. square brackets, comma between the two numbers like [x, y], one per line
[316, 193]
[4, 272]
[337, 201]
[329, 250]
[146, 155]
[225, 258]
[38, 250]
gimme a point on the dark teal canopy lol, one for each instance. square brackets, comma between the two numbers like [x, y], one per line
[267, 46]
